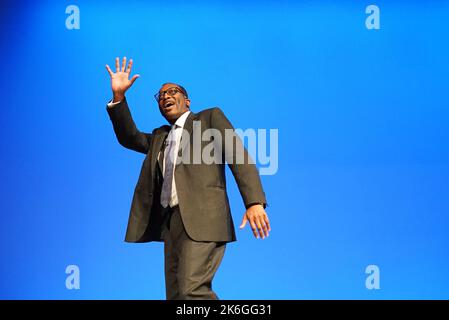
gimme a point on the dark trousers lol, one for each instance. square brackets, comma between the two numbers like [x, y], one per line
[190, 265]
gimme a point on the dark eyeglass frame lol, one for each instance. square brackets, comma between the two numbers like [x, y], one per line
[175, 90]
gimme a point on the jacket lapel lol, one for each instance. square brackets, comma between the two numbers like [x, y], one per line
[187, 133]
[159, 138]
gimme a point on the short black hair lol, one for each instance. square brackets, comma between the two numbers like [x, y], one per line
[184, 91]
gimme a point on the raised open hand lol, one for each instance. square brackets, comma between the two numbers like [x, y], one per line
[120, 81]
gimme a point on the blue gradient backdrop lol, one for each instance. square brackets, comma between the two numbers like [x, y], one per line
[363, 143]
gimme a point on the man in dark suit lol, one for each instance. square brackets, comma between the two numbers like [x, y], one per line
[179, 201]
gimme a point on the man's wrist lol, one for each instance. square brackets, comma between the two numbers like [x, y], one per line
[117, 97]
[254, 204]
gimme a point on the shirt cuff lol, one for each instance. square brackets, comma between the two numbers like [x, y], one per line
[112, 104]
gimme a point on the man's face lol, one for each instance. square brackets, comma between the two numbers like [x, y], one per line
[172, 106]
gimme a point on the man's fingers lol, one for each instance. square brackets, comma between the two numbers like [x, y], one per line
[259, 223]
[134, 78]
[264, 226]
[109, 70]
[117, 65]
[254, 228]
[130, 64]
[267, 222]
[259, 228]
[123, 64]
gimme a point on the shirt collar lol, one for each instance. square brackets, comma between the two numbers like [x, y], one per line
[182, 119]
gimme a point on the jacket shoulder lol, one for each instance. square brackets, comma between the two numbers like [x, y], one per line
[210, 111]
[161, 129]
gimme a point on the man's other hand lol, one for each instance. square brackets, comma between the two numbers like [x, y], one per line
[258, 221]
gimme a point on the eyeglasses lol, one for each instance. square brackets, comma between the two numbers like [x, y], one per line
[170, 91]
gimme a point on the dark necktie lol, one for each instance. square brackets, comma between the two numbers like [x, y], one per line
[169, 169]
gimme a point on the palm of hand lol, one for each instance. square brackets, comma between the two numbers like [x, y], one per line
[120, 81]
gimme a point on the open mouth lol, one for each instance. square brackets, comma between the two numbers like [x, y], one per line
[168, 105]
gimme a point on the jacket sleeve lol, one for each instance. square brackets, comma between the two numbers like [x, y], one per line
[239, 161]
[125, 129]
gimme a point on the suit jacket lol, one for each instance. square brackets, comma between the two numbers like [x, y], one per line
[201, 188]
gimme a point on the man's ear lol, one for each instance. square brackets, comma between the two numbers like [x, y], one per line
[188, 103]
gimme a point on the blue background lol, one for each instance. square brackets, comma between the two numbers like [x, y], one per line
[363, 143]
